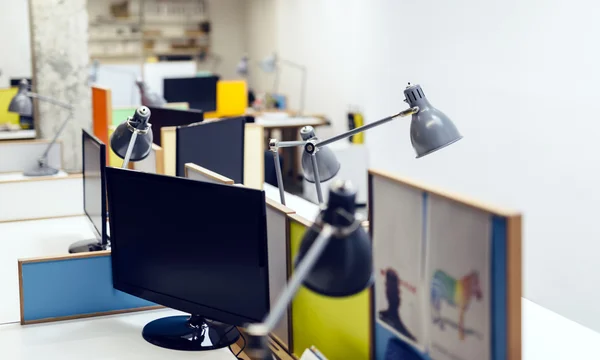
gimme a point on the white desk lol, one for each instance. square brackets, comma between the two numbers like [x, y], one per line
[14, 176]
[18, 134]
[302, 207]
[546, 336]
[104, 338]
[22, 239]
[285, 121]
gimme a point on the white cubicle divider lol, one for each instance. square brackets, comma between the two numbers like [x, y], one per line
[279, 253]
[21, 155]
[196, 172]
[120, 79]
[354, 161]
[28, 198]
[300, 206]
[154, 163]
[155, 73]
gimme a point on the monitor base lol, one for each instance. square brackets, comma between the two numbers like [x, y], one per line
[84, 246]
[189, 333]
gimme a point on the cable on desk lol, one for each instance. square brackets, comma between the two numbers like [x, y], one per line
[241, 350]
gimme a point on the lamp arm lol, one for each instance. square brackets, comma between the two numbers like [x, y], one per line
[274, 146]
[50, 100]
[303, 269]
[60, 130]
[357, 130]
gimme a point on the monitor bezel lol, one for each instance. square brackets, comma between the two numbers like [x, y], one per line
[187, 306]
[85, 135]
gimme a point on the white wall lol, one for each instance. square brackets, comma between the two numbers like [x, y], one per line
[227, 38]
[519, 78]
[15, 41]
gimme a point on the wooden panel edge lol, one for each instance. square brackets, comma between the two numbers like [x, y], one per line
[300, 219]
[43, 178]
[278, 207]
[515, 286]
[209, 173]
[21, 299]
[85, 316]
[64, 257]
[465, 200]
[42, 218]
[159, 158]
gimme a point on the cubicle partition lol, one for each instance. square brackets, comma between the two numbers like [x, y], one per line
[196, 172]
[338, 327]
[165, 117]
[154, 163]
[447, 274]
[199, 92]
[101, 113]
[71, 287]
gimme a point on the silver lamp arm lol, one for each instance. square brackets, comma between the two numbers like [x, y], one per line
[259, 332]
[50, 100]
[357, 130]
[274, 146]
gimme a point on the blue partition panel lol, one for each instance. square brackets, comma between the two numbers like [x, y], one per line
[64, 287]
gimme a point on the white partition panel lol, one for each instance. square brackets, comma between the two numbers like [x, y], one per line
[120, 79]
[277, 224]
[153, 163]
[21, 155]
[196, 172]
[155, 73]
[37, 198]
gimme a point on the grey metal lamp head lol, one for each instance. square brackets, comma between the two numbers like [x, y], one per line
[149, 97]
[269, 64]
[327, 163]
[121, 137]
[21, 103]
[242, 66]
[430, 129]
[345, 267]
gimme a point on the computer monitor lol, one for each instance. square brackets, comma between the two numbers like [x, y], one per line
[215, 145]
[162, 117]
[199, 92]
[194, 246]
[94, 193]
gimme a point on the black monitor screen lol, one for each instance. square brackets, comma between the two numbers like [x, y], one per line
[193, 246]
[215, 145]
[163, 117]
[199, 92]
[94, 182]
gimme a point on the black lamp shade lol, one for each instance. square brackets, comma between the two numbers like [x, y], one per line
[327, 163]
[21, 103]
[346, 266]
[430, 129]
[121, 137]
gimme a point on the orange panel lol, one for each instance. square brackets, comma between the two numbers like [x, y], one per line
[102, 114]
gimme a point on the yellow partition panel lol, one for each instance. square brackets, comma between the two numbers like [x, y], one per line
[338, 327]
[6, 96]
[254, 156]
[232, 98]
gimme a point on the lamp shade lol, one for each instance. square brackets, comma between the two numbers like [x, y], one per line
[345, 266]
[149, 97]
[121, 137]
[269, 64]
[327, 162]
[430, 129]
[21, 103]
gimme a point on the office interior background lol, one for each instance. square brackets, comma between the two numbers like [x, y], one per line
[519, 78]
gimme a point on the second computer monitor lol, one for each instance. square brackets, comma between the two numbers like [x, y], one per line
[163, 117]
[215, 145]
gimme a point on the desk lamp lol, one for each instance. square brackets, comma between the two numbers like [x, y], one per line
[430, 130]
[132, 140]
[149, 97]
[21, 104]
[242, 66]
[337, 268]
[271, 64]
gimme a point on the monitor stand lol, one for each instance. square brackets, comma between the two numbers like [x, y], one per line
[189, 333]
[87, 246]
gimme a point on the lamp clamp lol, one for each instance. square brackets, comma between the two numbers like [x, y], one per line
[311, 147]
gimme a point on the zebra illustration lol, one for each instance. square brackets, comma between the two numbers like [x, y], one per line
[457, 293]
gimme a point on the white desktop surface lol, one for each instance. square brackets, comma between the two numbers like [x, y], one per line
[18, 134]
[302, 207]
[103, 338]
[546, 336]
[287, 121]
[34, 238]
[12, 176]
